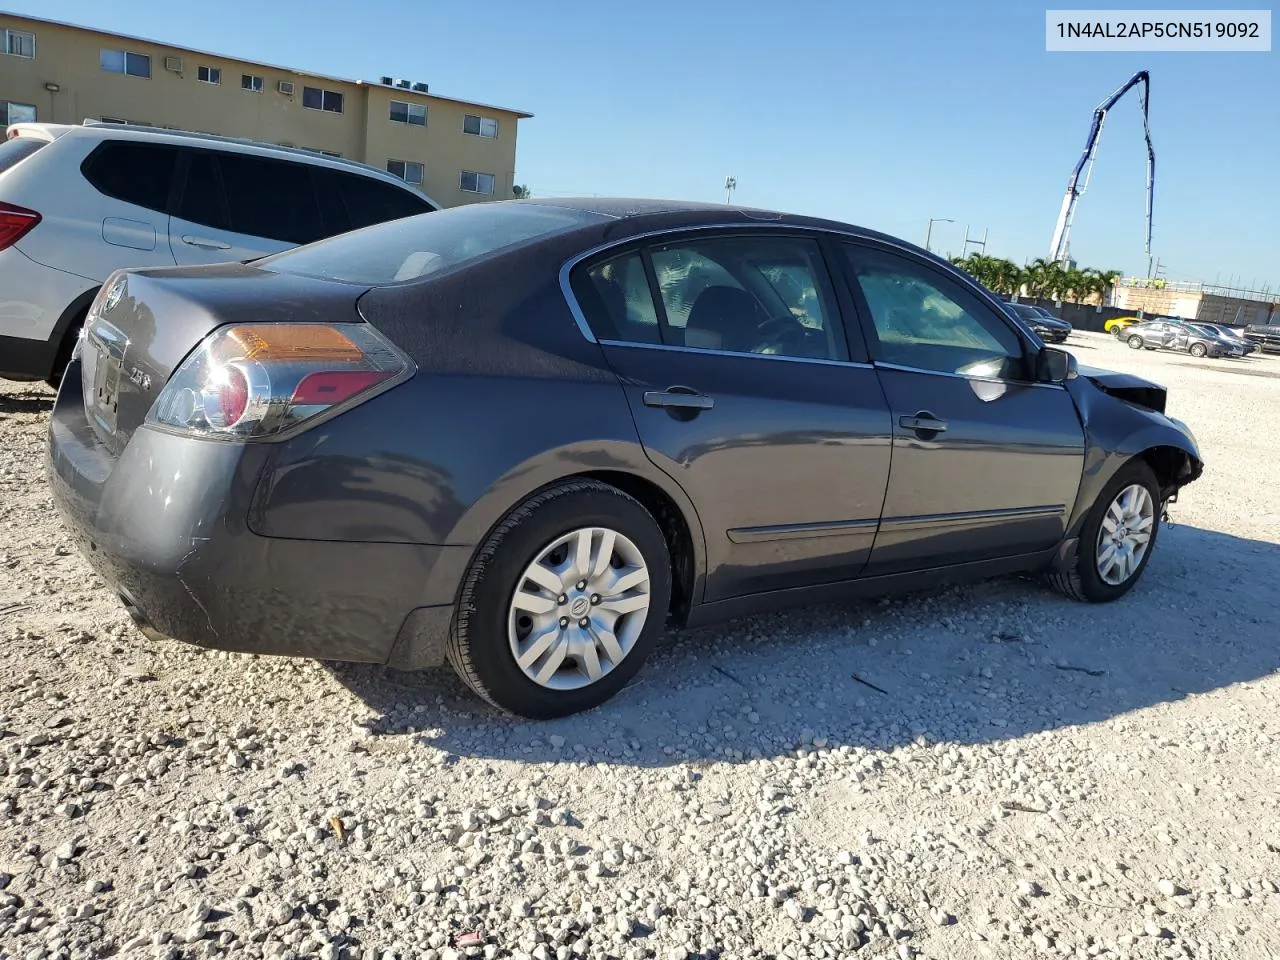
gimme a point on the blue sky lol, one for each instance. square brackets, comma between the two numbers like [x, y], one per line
[883, 114]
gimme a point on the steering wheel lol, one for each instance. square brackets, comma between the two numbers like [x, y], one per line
[783, 334]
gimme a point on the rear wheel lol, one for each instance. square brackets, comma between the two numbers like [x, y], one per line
[1117, 538]
[1198, 350]
[563, 602]
[65, 348]
[1135, 342]
[1118, 332]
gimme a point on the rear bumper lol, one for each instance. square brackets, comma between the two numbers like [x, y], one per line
[34, 302]
[164, 524]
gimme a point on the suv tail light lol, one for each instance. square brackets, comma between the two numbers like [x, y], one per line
[260, 381]
[15, 223]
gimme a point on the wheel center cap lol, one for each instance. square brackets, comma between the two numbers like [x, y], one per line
[579, 606]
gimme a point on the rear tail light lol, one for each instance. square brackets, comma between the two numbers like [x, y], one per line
[15, 223]
[259, 381]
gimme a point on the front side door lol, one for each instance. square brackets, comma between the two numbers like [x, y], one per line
[237, 206]
[986, 463]
[738, 373]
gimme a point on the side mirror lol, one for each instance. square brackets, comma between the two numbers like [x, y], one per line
[1056, 366]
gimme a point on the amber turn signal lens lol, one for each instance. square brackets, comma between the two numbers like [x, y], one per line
[265, 342]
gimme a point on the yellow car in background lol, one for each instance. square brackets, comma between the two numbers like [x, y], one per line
[1116, 325]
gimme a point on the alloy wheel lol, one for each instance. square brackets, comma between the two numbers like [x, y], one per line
[1125, 534]
[578, 608]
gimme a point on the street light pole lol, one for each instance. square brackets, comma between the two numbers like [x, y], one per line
[928, 233]
[730, 183]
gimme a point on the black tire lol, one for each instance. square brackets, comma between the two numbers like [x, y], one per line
[1118, 332]
[1081, 580]
[1197, 350]
[65, 348]
[1135, 342]
[479, 648]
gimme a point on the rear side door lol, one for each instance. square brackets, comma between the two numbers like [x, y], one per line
[744, 390]
[986, 461]
[238, 206]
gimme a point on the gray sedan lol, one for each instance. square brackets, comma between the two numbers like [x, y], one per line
[1183, 337]
[525, 436]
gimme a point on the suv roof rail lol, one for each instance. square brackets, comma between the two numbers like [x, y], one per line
[240, 141]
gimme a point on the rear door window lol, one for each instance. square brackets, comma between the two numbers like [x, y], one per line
[202, 201]
[12, 152]
[270, 198]
[137, 173]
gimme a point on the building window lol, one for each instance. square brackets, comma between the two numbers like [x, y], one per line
[313, 98]
[18, 44]
[476, 183]
[251, 83]
[414, 114]
[123, 61]
[485, 127]
[407, 170]
[209, 74]
[16, 113]
[323, 153]
[112, 120]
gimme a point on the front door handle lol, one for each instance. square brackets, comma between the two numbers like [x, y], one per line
[678, 398]
[922, 423]
[205, 243]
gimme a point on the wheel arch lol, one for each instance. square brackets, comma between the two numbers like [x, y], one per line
[619, 464]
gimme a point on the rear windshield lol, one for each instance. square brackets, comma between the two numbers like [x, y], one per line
[17, 149]
[427, 244]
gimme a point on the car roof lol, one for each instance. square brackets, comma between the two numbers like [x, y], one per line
[641, 214]
[131, 131]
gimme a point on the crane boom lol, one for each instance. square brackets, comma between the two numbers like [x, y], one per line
[1060, 247]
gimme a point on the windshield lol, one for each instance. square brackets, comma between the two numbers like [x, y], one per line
[428, 244]
[1024, 311]
[18, 149]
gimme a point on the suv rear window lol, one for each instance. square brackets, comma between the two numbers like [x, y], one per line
[421, 246]
[138, 173]
[16, 150]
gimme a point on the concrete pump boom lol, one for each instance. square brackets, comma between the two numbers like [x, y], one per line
[1060, 248]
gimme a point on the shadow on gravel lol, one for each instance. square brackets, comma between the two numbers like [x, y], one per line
[33, 402]
[976, 664]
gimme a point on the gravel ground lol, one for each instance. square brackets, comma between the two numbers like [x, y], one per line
[991, 771]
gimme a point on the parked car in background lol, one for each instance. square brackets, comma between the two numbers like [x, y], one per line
[1046, 326]
[689, 412]
[1166, 334]
[1230, 335]
[77, 203]
[1265, 335]
[1117, 325]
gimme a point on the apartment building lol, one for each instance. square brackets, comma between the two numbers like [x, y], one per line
[455, 151]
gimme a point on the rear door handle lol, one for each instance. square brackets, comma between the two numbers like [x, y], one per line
[678, 398]
[206, 243]
[923, 422]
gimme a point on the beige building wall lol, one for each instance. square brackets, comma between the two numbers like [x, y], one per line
[65, 83]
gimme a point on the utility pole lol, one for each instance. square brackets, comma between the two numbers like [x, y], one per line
[730, 184]
[928, 233]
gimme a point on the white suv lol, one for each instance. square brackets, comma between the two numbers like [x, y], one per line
[77, 203]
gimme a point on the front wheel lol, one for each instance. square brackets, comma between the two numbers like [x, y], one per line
[563, 602]
[1198, 350]
[1116, 539]
[1135, 342]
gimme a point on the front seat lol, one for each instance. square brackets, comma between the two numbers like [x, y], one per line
[724, 318]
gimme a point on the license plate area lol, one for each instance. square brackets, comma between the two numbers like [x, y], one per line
[103, 361]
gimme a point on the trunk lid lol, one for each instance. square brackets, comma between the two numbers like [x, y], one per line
[144, 323]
